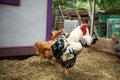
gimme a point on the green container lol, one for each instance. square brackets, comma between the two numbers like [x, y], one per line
[103, 18]
[113, 28]
[115, 16]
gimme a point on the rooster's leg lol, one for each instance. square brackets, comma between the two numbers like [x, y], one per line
[66, 72]
[86, 49]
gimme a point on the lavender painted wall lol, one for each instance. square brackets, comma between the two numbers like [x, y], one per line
[28, 49]
[11, 2]
[49, 19]
[22, 25]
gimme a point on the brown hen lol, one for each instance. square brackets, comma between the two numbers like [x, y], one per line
[43, 49]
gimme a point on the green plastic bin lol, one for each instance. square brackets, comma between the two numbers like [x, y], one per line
[103, 18]
[113, 28]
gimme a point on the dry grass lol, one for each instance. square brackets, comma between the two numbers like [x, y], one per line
[90, 65]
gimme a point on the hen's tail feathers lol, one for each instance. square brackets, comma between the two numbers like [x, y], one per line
[116, 41]
[55, 35]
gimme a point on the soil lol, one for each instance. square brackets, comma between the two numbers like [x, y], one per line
[90, 65]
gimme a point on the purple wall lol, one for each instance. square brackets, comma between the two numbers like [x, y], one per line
[17, 51]
[49, 20]
[28, 50]
[11, 2]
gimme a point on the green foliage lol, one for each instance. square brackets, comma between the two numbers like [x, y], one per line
[66, 4]
[70, 4]
[108, 4]
[86, 4]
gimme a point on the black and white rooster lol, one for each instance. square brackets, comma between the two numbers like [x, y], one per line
[65, 52]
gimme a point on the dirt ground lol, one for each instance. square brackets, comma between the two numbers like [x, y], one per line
[90, 65]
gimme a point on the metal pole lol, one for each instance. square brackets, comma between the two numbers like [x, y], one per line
[92, 20]
[58, 19]
[61, 12]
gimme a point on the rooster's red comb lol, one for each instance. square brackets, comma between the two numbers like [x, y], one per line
[84, 25]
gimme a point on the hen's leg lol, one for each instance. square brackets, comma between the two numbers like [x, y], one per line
[40, 57]
[51, 57]
[51, 61]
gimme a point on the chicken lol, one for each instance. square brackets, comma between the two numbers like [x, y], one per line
[43, 49]
[116, 46]
[81, 33]
[88, 40]
[78, 32]
[65, 51]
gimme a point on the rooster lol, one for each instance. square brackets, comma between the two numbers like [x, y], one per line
[88, 40]
[116, 46]
[81, 33]
[65, 50]
[43, 49]
[78, 32]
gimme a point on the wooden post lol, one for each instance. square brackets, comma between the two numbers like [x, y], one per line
[92, 19]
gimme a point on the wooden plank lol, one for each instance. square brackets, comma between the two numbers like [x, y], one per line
[79, 17]
[85, 18]
[65, 12]
[83, 13]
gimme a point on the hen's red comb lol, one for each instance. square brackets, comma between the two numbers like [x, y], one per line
[113, 38]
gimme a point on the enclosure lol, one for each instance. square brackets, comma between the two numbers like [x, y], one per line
[90, 65]
[31, 20]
